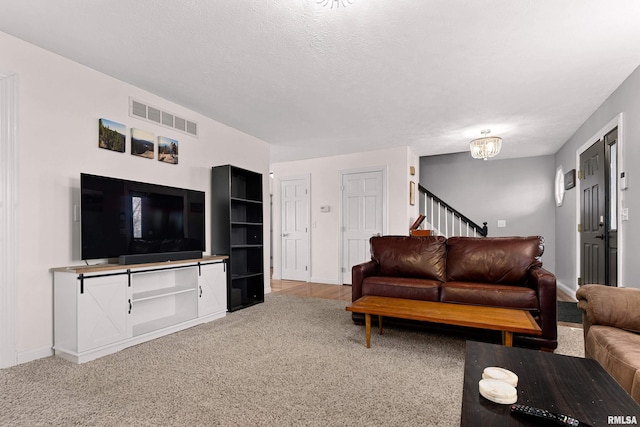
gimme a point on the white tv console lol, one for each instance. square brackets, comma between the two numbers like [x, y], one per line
[102, 309]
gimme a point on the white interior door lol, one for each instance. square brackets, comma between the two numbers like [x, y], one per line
[294, 196]
[362, 216]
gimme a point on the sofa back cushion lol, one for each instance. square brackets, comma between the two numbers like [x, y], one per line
[410, 256]
[500, 260]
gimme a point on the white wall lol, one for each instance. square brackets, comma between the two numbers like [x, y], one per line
[325, 191]
[60, 103]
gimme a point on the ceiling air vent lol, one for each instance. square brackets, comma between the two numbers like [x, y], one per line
[144, 111]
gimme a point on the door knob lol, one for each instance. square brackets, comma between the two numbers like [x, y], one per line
[285, 234]
[600, 236]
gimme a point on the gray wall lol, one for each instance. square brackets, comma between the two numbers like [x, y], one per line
[625, 99]
[519, 191]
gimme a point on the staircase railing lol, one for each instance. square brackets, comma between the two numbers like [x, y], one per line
[443, 220]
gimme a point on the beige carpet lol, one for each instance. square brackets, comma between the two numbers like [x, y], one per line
[288, 362]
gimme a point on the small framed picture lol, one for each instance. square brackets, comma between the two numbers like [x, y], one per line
[167, 150]
[112, 135]
[142, 143]
[570, 179]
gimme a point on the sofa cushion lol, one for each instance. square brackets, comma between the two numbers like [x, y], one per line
[500, 260]
[490, 295]
[401, 287]
[410, 256]
[618, 351]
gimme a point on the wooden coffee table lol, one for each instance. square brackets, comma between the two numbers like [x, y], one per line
[572, 386]
[498, 319]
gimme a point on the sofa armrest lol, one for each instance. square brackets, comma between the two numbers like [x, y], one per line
[358, 274]
[609, 306]
[544, 283]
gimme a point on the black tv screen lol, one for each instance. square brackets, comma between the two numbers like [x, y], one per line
[120, 217]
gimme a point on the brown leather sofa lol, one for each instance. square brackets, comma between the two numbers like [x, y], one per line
[497, 271]
[611, 324]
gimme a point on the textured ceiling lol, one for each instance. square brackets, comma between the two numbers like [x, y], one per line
[316, 81]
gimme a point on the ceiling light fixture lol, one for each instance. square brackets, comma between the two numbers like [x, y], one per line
[334, 3]
[485, 147]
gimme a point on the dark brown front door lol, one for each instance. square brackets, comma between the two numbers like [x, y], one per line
[592, 206]
[599, 212]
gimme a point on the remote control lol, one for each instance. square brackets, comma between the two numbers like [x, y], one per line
[543, 414]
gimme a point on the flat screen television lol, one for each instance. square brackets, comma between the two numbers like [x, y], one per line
[140, 222]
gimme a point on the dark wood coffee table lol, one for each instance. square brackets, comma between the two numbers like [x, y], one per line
[569, 385]
[505, 320]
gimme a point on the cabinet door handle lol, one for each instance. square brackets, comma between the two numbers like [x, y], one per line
[130, 306]
[200, 291]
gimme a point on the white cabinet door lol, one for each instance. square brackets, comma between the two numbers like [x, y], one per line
[103, 307]
[212, 289]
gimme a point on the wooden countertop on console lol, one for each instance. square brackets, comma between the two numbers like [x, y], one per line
[83, 269]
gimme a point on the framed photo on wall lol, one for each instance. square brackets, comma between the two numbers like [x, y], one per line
[167, 150]
[112, 135]
[142, 143]
[570, 179]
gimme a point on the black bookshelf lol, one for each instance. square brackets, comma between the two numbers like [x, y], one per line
[237, 231]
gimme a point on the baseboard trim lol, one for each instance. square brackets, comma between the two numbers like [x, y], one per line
[324, 281]
[34, 354]
[566, 289]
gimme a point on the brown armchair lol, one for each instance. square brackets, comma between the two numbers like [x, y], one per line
[611, 322]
